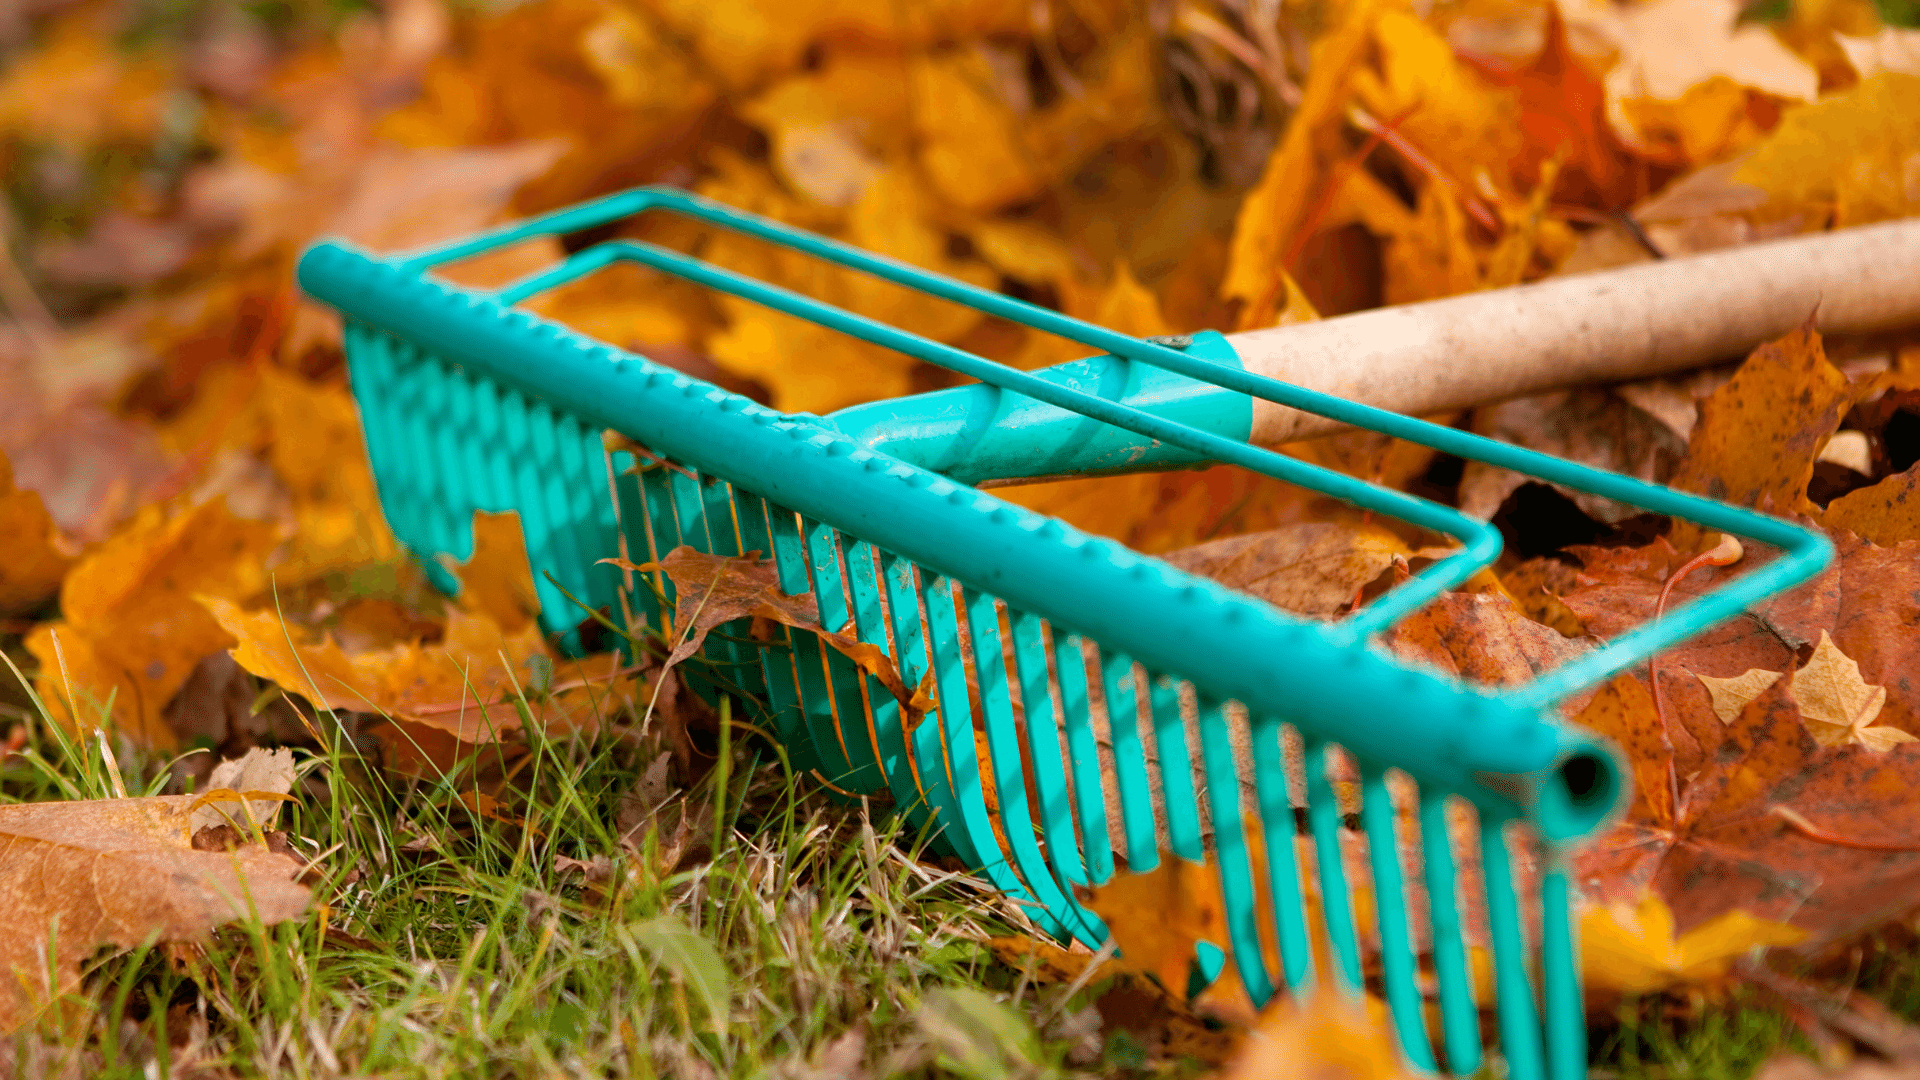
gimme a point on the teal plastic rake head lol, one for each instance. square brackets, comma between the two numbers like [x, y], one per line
[1094, 705]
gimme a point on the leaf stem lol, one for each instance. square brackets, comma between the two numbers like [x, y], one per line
[1725, 553]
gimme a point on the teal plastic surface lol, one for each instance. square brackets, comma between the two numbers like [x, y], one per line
[1117, 703]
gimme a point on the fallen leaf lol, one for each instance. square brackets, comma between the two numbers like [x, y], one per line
[1870, 601]
[1313, 568]
[1617, 589]
[1843, 158]
[79, 91]
[497, 580]
[1537, 586]
[1711, 121]
[1837, 704]
[1481, 637]
[257, 770]
[1159, 916]
[982, 152]
[1594, 427]
[833, 129]
[119, 872]
[1732, 695]
[132, 631]
[1886, 513]
[1277, 205]
[1623, 711]
[712, 590]
[94, 470]
[605, 85]
[895, 216]
[1759, 435]
[319, 455]
[470, 683]
[1674, 46]
[748, 43]
[1632, 949]
[1563, 116]
[32, 562]
[1774, 825]
[1042, 961]
[1331, 1036]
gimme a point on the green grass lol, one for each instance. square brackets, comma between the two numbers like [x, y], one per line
[1659, 1038]
[811, 941]
[451, 946]
[1724, 1041]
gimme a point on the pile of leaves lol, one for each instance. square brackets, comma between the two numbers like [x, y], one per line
[192, 549]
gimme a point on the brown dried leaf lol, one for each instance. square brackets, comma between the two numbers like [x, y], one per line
[1315, 568]
[1481, 637]
[1618, 588]
[713, 590]
[257, 770]
[1537, 586]
[1886, 513]
[117, 872]
[468, 683]
[1778, 827]
[1601, 428]
[1759, 435]
[1870, 600]
[1623, 711]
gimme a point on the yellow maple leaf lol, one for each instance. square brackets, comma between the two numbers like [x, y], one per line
[749, 42]
[319, 454]
[1278, 204]
[617, 86]
[1633, 949]
[1444, 107]
[1158, 917]
[1712, 121]
[1837, 704]
[466, 684]
[812, 369]
[132, 632]
[1328, 1036]
[969, 133]
[984, 148]
[834, 129]
[497, 581]
[1850, 155]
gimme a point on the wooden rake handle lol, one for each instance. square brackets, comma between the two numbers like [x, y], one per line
[1608, 326]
